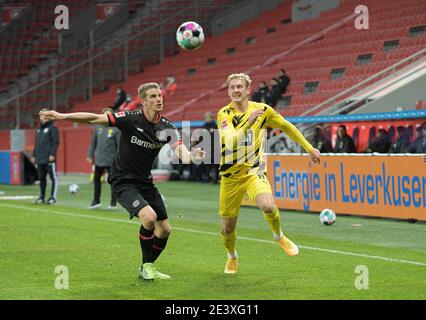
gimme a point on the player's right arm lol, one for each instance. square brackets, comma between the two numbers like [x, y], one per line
[231, 136]
[80, 117]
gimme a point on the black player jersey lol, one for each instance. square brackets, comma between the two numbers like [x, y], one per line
[140, 143]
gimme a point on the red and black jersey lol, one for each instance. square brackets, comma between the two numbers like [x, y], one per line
[140, 143]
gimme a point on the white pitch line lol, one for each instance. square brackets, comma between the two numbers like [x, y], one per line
[85, 216]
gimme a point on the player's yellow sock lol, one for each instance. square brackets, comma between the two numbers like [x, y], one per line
[229, 242]
[274, 221]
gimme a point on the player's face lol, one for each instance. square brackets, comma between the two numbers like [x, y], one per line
[153, 100]
[237, 90]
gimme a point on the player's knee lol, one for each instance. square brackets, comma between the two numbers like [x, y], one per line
[147, 215]
[163, 230]
[166, 231]
[267, 207]
[227, 229]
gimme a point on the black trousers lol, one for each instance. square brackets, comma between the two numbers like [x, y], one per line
[42, 171]
[99, 171]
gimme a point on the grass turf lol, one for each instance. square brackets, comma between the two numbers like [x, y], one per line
[101, 250]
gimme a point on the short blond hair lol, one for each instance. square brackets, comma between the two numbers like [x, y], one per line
[245, 77]
[145, 87]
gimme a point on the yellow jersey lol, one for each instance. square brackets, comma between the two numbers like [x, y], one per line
[242, 144]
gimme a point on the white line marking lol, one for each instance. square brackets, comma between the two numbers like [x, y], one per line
[74, 215]
[18, 197]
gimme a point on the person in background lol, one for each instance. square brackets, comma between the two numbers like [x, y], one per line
[381, 143]
[171, 86]
[280, 145]
[283, 81]
[400, 143]
[130, 104]
[274, 93]
[197, 171]
[260, 94]
[102, 151]
[320, 142]
[212, 168]
[44, 157]
[344, 142]
[120, 98]
[416, 146]
[421, 147]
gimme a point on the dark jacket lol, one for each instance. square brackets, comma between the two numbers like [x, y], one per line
[284, 81]
[259, 95]
[416, 146]
[345, 145]
[380, 145]
[322, 144]
[104, 146]
[273, 95]
[397, 147]
[401, 145]
[421, 146]
[120, 98]
[211, 127]
[46, 143]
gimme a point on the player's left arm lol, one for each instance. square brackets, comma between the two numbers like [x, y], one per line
[186, 156]
[180, 150]
[276, 121]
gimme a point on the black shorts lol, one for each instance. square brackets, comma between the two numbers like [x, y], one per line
[134, 195]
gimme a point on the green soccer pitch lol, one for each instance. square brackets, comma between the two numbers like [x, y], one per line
[356, 258]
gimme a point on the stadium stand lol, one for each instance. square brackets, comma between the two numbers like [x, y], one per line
[255, 41]
[319, 69]
[33, 43]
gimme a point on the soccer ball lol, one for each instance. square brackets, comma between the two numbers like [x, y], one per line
[327, 217]
[74, 188]
[190, 35]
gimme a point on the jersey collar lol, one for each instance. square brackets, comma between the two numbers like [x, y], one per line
[157, 120]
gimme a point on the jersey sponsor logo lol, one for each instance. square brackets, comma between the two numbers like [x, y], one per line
[120, 114]
[145, 144]
[224, 124]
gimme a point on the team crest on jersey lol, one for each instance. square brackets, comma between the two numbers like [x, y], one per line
[224, 124]
[120, 114]
[161, 135]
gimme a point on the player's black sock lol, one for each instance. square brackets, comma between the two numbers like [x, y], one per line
[158, 246]
[146, 238]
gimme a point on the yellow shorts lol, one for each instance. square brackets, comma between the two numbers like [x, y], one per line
[232, 192]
